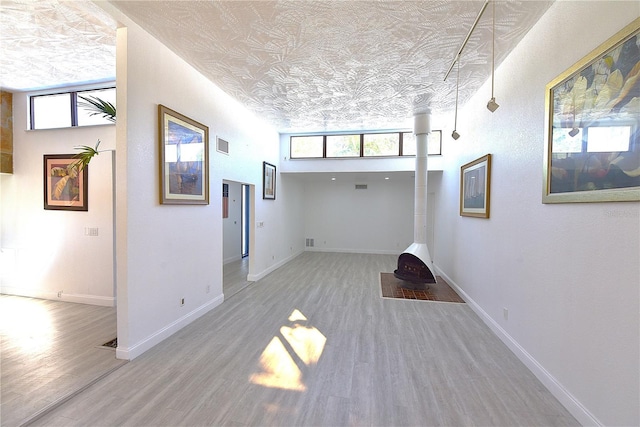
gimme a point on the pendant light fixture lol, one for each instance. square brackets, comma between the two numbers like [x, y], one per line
[455, 134]
[492, 105]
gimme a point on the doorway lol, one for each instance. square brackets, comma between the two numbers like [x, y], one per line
[245, 213]
[237, 236]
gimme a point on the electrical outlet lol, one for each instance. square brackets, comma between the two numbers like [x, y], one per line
[59, 294]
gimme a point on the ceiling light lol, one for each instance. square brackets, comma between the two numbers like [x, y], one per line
[492, 105]
[386, 177]
[333, 178]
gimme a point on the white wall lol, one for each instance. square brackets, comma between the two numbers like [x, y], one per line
[568, 274]
[377, 220]
[232, 226]
[42, 251]
[165, 252]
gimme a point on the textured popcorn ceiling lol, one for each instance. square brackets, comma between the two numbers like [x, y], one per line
[47, 43]
[302, 65]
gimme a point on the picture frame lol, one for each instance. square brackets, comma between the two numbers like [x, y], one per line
[65, 185]
[184, 159]
[592, 125]
[475, 187]
[268, 181]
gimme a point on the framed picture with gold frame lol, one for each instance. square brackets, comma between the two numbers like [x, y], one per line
[592, 125]
[184, 159]
[475, 187]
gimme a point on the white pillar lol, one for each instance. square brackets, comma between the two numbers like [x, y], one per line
[422, 128]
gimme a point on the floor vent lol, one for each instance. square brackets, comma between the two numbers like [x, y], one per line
[111, 344]
[222, 146]
[361, 186]
[309, 243]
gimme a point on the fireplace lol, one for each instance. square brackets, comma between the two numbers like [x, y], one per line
[413, 270]
[414, 264]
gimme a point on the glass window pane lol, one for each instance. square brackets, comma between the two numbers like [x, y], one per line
[408, 144]
[51, 111]
[343, 145]
[87, 114]
[381, 144]
[434, 145]
[306, 146]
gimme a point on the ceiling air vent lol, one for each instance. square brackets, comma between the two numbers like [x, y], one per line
[222, 146]
[361, 186]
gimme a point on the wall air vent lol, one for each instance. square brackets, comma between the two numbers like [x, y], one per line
[309, 242]
[361, 186]
[222, 146]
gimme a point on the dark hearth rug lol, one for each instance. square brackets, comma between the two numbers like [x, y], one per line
[391, 287]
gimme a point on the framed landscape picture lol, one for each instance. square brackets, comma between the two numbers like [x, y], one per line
[268, 181]
[65, 185]
[475, 186]
[184, 159]
[592, 121]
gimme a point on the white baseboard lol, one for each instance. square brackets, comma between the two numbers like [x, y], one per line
[274, 267]
[354, 251]
[573, 405]
[136, 350]
[65, 297]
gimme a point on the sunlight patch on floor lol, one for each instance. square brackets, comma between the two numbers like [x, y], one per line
[281, 367]
[26, 324]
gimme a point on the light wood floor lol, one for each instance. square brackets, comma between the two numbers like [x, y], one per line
[313, 343]
[49, 350]
[235, 277]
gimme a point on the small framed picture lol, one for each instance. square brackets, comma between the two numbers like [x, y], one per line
[475, 186]
[65, 185]
[268, 181]
[184, 159]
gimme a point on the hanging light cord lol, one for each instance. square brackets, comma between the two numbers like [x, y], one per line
[455, 120]
[493, 46]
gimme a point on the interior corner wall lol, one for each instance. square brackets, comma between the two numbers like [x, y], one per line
[558, 283]
[46, 253]
[170, 253]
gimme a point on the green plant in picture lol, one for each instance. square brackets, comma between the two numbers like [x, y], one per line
[97, 107]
